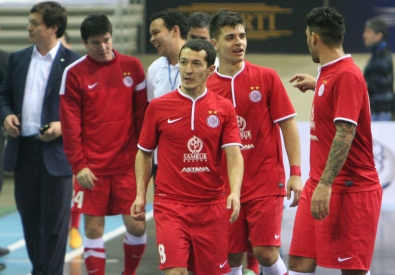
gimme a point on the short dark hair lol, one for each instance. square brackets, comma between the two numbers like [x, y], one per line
[224, 18]
[198, 45]
[378, 25]
[328, 23]
[94, 25]
[53, 15]
[171, 19]
[199, 20]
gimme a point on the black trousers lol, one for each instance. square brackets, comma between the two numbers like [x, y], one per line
[43, 202]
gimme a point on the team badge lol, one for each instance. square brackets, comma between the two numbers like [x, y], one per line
[255, 96]
[128, 81]
[212, 121]
[195, 146]
[321, 90]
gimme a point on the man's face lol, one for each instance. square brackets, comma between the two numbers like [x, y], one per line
[198, 33]
[161, 37]
[231, 44]
[193, 69]
[311, 45]
[370, 38]
[100, 47]
[39, 33]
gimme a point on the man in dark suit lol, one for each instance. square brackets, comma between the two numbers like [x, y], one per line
[29, 100]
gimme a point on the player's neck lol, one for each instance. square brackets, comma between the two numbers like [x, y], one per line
[229, 69]
[194, 93]
[331, 54]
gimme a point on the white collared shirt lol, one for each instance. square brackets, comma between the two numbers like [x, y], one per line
[36, 83]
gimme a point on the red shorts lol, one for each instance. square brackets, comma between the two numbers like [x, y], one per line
[194, 237]
[345, 239]
[111, 195]
[260, 221]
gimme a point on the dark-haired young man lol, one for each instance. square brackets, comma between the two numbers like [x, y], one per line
[341, 200]
[168, 31]
[262, 107]
[190, 126]
[103, 100]
[198, 26]
[29, 99]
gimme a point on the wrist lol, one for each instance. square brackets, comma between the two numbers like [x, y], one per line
[295, 170]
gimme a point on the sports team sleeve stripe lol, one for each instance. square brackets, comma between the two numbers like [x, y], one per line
[232, 144]
[141, 86]
[284, 118]
[345, 119]
[62, 89]
[145, 149]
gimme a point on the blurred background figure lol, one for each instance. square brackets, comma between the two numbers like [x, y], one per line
[379, 71]
[65, 40]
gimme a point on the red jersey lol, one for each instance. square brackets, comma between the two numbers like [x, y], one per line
[101, 111]
[341, 94]
[261, 101]
[190, 134]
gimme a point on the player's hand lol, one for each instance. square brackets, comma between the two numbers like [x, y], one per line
[137, 211]
[86, 178]
[11, 125]
[294, 184]
[54, 131]
[304, 82]
[320, 201]
[233, 202]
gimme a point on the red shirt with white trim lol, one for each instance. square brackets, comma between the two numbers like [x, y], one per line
[341, 94]
[190, 134]
[261, 101]
[102, 108]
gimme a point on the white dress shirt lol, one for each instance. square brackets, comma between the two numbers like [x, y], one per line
[36, 83]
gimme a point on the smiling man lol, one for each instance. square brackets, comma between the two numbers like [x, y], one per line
[262, 108]
[190, 126]
[103, 100]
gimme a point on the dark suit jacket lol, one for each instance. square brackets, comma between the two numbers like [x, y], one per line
[12, 91]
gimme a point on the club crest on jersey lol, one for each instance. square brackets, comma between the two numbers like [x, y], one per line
[127, 79]
[212, 121]
[255, 94]
[321, 89]
[195, 145]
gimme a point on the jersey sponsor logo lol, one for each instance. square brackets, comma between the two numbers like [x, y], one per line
[312, 122]
[242, 124]
[195, 145]
[247, 147]
[321, 90]
[170, 121]
[222, 265]
[195, 169]
[93, 85]
[212, 121]
[314, 137]
[128, 81]
[255, 95]
[343, 259]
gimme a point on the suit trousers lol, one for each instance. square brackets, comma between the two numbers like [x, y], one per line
[43, 202]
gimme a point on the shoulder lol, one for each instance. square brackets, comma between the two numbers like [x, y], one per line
[157, 64]
[77, 64]
[128, 59]
[253, 68]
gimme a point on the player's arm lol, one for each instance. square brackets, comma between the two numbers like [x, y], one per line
[235, 166]
[292, 146]
[143, 167]
[341, 144]
[304, 82]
